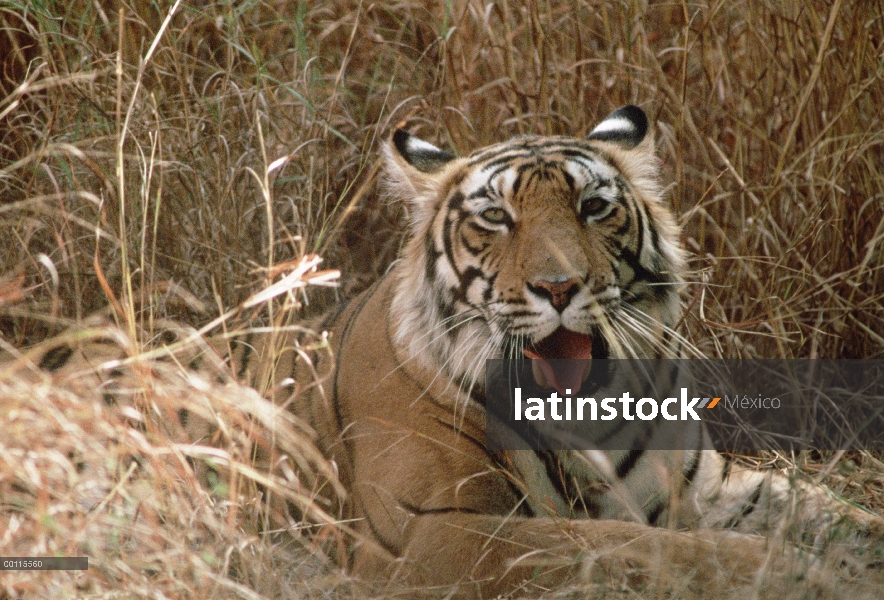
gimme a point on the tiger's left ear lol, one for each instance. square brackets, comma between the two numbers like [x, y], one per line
[626, 127]
[625, 132]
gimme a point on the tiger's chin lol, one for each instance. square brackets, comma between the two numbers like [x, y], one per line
[563, 360]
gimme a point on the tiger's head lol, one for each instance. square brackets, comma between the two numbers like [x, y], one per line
[548, 247]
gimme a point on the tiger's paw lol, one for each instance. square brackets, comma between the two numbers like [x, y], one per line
[699, 564]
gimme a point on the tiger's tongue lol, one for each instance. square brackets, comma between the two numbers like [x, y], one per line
[570, 353]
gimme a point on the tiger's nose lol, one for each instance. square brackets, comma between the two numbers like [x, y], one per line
[559, 293]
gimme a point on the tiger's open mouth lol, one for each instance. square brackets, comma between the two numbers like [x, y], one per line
[562, 360]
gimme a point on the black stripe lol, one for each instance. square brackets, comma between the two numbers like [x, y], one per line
[475, 250]
[624, 228]
[748, 508]
[533, 173]
[569, 179]
[504, 160]
[497, 157]
[487, 153]
[437, 511]
[655, 235]
[640, 272]
[674, 372]
[195, 364]
[596, 184]
[640, 217]
[644, 221]
[654, 514]
[329, 319]
[456, 201]
[480, 445]
[523, 507]
[470, 274]
[554, 472]
[691, 471]
[482, 192]
[517, 183]
[447, 312]
[56, 358]
[499, 169]
[448, 233]
[339, 418]
[629, 461]
[532, 145]
[572, 153]
[489, 291]
[432, 256]
[638, 448]
[345, 334]
[388, 546]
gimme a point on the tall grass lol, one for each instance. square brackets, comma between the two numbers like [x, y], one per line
[153, 172]
[165, 161]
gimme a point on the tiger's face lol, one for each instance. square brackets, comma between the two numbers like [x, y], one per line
[548, 247]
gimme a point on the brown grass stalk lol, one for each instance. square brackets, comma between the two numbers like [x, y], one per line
[156, 160]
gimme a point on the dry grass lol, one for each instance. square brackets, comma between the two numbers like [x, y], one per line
[94, 465]
[136, 182]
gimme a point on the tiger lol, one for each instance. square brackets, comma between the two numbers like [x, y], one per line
[544, 247]
[549, 248]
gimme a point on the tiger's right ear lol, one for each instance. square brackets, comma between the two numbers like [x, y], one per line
[413, 166]
[423, 156]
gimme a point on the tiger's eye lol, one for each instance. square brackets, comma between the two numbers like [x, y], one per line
[494, 215]
[593, 207]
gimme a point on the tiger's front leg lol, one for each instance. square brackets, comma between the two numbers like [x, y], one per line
[435, 512]
[482, 556]
[766, 502]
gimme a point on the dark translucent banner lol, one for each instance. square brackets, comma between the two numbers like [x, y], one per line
[44, 563]
[741, 405]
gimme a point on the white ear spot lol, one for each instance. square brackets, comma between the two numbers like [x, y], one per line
[617, 124]
[626, 127]
[415, 144]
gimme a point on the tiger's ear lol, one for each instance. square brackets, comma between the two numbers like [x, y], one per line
[626, 132]
[423, 156]
[413, 168]
[626, 127]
